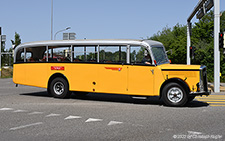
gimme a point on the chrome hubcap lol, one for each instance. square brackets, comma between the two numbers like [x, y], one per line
[58, 88]
[175, 94]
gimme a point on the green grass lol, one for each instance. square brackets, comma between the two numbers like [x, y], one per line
[7, 72]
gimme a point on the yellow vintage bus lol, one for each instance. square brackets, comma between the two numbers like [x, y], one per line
[130, 67]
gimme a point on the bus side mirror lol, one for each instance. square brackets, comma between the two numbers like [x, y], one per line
[155, 62]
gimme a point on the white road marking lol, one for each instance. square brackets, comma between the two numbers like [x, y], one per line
[6, 109]
[72, 117]
[114, 122]
[168, 129]
[53, 115]
[24, 126]
[35, 113]
[195, 133]
[93, 120]
[19, 111]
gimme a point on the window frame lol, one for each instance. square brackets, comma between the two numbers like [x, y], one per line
[97, 53]
[119, 49]
[148, 51]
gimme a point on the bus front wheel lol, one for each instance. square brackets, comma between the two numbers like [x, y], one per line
[174, 95]
[59, 88]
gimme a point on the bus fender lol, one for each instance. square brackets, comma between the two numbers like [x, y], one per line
[54, 76]
[176, 80]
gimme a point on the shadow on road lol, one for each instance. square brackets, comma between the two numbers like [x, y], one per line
[38, 94]
[153, 100]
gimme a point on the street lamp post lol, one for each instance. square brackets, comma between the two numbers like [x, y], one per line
[0, 54]
[61, 31]
[51, 19]
[216, 46]
[200, 10]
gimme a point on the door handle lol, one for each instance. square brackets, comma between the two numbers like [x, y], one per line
[152, 71]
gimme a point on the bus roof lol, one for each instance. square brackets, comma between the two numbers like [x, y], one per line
[58, 43]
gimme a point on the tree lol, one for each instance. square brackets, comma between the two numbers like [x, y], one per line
[3, 58]
[174, 39]
[202, 38]
[17, 40]
[8, 58]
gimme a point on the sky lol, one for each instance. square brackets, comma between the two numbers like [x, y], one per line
[92, 19]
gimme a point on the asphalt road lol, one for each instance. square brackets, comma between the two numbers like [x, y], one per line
[29, 113]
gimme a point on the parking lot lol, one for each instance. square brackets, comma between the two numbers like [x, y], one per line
[29, 113]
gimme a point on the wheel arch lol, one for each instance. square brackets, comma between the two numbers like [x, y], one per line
[175, 80]
[55, 75]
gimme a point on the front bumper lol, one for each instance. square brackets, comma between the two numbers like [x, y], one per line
[200, 93]
[202, 86]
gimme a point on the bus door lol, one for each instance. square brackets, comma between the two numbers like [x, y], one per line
[140, 79]
[112, 78]
[84, 71]
[112, 73]
[140, 72]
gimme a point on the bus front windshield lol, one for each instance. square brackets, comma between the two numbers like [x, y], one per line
[159, 55]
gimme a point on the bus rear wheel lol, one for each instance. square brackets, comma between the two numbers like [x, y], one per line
[59, 88]
[174, 94]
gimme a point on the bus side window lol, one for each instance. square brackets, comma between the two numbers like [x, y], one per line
[35, 54]
[78, 54]
[85, 54]
[139, 55]
[29, 57]
[20, 56]
[60, 54]
[91, 54]
[112, 54]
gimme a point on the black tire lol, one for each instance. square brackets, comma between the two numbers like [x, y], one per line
[191, 97]
[48, 90]
[174, 94]
[59, 88]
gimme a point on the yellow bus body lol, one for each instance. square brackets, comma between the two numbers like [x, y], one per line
[130, 67]
[106, 78]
